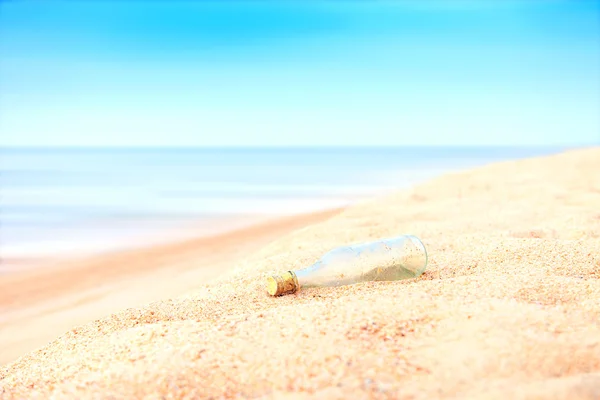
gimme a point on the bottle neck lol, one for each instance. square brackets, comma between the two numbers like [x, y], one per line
[308, 277]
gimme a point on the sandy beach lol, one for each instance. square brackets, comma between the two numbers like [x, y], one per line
[509, 307]
[48, 299]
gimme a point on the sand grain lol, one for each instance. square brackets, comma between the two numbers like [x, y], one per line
[509, 307]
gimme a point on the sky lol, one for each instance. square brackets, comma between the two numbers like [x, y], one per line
[306, 73]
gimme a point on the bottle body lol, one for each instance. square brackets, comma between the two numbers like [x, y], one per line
[402, 257]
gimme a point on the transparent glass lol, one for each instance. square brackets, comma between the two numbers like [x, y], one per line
[402, 257]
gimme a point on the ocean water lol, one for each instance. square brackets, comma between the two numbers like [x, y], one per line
[60, 201]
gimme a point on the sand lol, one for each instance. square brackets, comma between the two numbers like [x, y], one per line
[47, 299]
[509, 307]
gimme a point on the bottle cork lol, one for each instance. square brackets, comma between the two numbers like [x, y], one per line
[285, 283]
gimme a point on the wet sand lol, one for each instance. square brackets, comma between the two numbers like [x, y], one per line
[508, 308]
[47, 299]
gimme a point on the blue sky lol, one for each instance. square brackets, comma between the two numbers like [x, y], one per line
[287, 73]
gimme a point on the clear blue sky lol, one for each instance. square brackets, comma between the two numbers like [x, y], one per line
[299, 73]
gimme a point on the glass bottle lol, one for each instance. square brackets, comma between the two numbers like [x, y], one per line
[392, 259]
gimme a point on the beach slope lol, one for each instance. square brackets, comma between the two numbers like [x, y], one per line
[509, 307]
[42, 302]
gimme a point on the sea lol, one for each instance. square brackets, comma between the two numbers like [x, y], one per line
[62, 201]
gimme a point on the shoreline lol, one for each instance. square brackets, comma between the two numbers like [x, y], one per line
[34, 256]
[163, 231]
[507, 308]
[91, 208]
[40, 303]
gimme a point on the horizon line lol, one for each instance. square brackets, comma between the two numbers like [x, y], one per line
[292, 147]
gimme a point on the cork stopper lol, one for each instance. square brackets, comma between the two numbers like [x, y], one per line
[285, 283]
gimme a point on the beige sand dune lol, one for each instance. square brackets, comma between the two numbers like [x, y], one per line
[509, 307]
